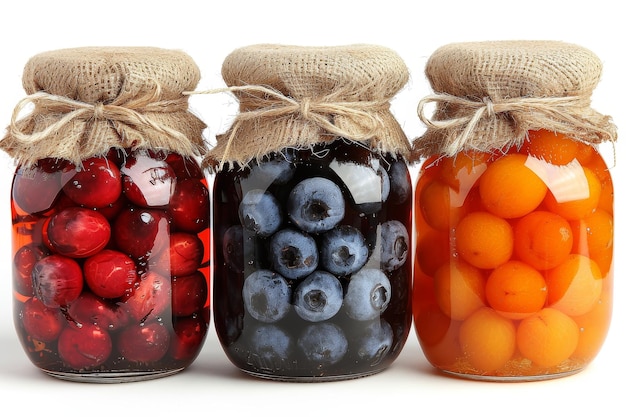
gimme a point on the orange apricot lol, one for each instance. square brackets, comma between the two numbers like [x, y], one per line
[574, 286]
[484, 240]
[432, 250]
[438, 206]
[509, 188]
[446, 352]
[463, 170]
[431, 325]
[594, 327]
[582, 197]
[542, 239]
[516, 290]
[552, 147]
[487, 340]
[593, 237]
[459, 289]
[547, 338]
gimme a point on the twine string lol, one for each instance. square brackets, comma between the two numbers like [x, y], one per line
[133, 113]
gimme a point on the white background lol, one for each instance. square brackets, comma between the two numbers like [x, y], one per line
[208, 32]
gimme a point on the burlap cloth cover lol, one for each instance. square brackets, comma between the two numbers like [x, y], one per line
[487, 96]
[90, 99]
[298, 96]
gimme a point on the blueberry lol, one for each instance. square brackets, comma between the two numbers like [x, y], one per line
[343, 250]
[293, 253]
[375, 342]
[260, 212]
[318, 297]
[316, 205]
[394, 245]
[368, 294]
[266, 296]
[233, 247]
[400, 182]
[276, 170]
[323, 343]
[270, 347]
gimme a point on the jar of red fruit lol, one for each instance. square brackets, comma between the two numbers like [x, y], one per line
[312, 212]
[514, 212]
[110, 214]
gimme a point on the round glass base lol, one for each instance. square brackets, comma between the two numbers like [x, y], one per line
[513, 378]
[308, 379]
[112, 377]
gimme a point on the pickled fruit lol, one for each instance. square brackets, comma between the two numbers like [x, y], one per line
[513, 257]
[312, 262]
[111, 263]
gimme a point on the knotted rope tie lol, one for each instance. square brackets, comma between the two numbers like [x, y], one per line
[562, 114]
[265, 102]
[132, 113]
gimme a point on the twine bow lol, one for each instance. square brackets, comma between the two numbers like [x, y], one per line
[132, 113]
[568, 115]
[264, 102]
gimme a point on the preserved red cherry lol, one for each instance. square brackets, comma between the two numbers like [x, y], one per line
[183, 257]
[40, 322]
[91, 309]
[141, 232]
[146, 181]
[110, 273]
[57, 280]
[149, 298]
[35, 189]
[78, 232]
[189, 294]
[190, 206]
[184, 168]
[23, 262]
[84, 346]
[96, 184]
[146, 342]
[188, 337]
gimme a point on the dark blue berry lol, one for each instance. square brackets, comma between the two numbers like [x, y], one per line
[266, 296]
[323, 343]
[318, 297]
[400, 182]
[368, 294]
[277, 170]
[343, 250]
[293, 253]
[260, 212]
[316, 205]
[375, 342]
[394, 245]
[271, 346]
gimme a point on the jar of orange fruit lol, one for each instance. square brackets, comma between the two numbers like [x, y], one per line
[514, 212]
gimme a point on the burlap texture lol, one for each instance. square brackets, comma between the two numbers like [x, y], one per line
[298, 96]
[488, 95]
[88, 100]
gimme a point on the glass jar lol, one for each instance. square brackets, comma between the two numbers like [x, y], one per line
[312, 252]
[513, 275]
[110, 253]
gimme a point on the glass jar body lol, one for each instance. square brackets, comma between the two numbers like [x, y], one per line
[312, 271]
[110, 270]
[514, 270]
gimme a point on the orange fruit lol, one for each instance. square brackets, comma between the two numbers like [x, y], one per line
[459, 289]
[552, 147]
[508, 188]
[582, 198]
[484, 240]
[542, 239]
[574, 286]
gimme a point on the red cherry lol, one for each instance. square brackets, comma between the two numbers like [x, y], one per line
[35, 190]
[150, 298]
[112, 210]
[188, 338]
[57, 280]
[183, 167]
[110, 273]
[141, 233]
[190, 206]
[96, 184]
[146, 181]
[91, 309]
[147, 342]
[40, 322]
[23, 262]
[183, 257]
[189, 294]
[84, 346]
[78, 232]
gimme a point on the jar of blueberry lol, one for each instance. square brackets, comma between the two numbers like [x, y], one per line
[110, 214]
[513, 276]
[312, 214]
